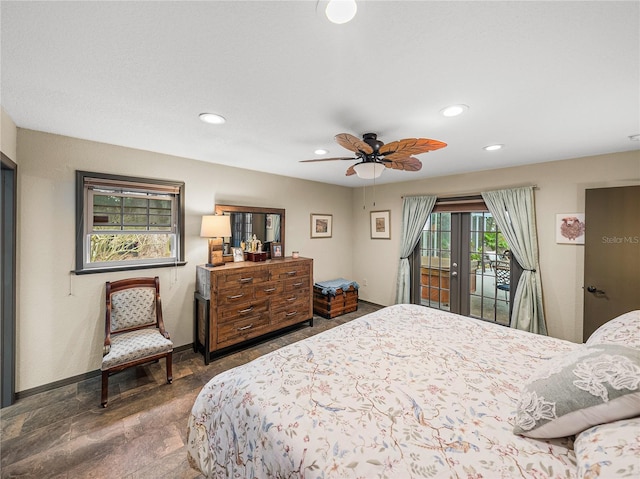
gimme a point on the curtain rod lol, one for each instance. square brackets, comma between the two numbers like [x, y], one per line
[462, 195]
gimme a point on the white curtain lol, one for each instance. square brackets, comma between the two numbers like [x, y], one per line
[514, 212]
[415, 212]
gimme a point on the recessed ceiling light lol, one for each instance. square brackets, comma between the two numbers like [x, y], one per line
[341, 11]
[321, 151]
[212, 118]
[634, 137]
[454, 110]
[493, 147]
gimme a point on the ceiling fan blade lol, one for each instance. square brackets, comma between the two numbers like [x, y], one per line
[352, 143]
[409, 146]
[329, 159]
[406, 164]
[351, 171]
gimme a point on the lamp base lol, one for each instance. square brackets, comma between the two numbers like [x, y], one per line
[215, 252]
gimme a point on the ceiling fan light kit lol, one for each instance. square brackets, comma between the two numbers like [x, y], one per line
[369, 170]
[374, 156]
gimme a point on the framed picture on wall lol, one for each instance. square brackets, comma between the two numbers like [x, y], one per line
[321, 225]
[570, 228]
[380, 224]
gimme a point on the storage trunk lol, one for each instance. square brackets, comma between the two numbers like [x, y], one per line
[329, 306]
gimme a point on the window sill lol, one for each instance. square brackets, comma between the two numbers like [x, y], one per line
[128, 268]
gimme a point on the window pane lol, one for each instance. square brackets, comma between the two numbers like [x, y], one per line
[127, 247]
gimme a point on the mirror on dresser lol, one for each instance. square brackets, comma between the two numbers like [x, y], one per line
[266, 223]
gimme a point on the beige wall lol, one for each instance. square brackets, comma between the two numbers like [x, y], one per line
[561, 187]
[8, 136]
[61, 316]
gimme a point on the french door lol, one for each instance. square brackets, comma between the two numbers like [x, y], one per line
[465, 266]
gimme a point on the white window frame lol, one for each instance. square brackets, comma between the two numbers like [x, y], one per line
[89, 184]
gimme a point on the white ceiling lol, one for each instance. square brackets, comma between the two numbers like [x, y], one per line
[550, 79]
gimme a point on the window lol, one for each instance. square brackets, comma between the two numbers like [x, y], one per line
[127, 223]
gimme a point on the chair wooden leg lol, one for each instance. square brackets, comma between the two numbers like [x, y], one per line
[105, 388]
[169, 368]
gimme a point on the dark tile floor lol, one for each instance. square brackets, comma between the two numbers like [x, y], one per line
[65, 433]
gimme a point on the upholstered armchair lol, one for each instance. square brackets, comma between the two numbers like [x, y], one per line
[134, 329]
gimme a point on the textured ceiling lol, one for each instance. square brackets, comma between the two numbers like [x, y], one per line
[550, 80]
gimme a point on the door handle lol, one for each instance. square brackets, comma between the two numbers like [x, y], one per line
[594, 290]
[454, 273]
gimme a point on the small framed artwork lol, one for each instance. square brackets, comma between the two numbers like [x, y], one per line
[321, 226]
[570, 228]
[238, 255]
[380, 224]
[276, 250]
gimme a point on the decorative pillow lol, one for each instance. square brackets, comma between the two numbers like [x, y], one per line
[625, 329]
[588, 386]
[609, 450]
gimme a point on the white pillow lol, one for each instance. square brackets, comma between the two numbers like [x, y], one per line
[625, 329]
[609, 450]
[591, 385]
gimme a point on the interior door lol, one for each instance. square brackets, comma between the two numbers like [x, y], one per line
[611, 255]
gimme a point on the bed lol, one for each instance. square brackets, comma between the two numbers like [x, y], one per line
[412, 392]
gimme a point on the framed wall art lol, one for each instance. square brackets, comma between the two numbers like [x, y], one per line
[381, 224]
[570, 228]
[321, 225]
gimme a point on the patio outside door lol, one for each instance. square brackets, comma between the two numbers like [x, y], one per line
[465, 266]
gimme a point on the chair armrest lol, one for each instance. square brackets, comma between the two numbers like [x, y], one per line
[106, 349]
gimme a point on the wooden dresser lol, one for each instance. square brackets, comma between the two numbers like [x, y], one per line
[241, 301]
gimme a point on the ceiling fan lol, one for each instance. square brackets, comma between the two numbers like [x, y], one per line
[375, 156]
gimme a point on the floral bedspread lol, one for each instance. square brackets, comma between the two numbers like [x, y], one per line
[405, 392]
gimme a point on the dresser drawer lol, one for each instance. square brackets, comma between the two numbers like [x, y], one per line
[291, 314]
[242, 310]
[295, 270]
[236, 296]
[296, 284]
[269, 289]
[245, 328]
[241, 279]
[288, 299]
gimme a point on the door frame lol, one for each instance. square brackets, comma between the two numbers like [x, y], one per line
[8, 218]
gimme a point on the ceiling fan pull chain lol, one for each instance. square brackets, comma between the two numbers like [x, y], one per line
[364, 197]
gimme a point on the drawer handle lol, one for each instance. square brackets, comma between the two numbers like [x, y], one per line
[245, 327]
[246, 310]
[291, 273]
[270, 290]
[292, 298]
[236, 296]
[292, 313]
[297, 284]
[246, 280]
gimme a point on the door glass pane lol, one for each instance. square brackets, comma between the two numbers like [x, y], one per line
[435, 260]
[490, 270]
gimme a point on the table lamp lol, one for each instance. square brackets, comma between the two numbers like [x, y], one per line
[215, 228]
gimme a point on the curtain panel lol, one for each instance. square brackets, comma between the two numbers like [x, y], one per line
[415, 212]
[514, 212]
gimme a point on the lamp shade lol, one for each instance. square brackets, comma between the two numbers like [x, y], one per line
[215, 226]
[369, 170]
